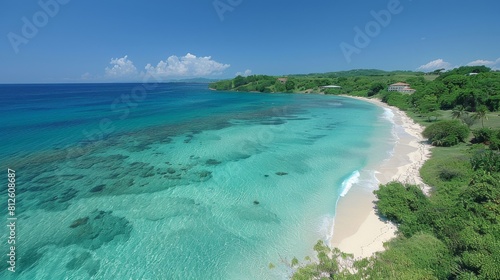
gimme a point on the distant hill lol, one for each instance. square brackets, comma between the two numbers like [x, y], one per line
[196, 80]
[471, 87]
[354, 82]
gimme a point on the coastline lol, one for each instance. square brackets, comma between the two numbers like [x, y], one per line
[358, 230]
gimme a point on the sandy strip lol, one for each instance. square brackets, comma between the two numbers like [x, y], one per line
[358, 229]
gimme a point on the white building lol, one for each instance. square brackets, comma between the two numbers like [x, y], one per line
[401, 87]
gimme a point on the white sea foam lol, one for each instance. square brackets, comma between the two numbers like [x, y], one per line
[326, 227]
[349, 182]
[388, 115]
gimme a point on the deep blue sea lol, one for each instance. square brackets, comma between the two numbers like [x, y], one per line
[175, 181]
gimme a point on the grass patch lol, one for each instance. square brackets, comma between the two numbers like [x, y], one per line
[449, 169]
[430, 77]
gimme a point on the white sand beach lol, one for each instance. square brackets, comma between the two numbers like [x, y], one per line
[358, 229]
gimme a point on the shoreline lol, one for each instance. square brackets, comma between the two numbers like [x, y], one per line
[358, 230]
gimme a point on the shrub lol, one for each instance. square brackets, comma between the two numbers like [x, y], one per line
[486, 160]
[495, 143]
[448, 173]
[483, 135]
[396, 99]
[405, 205]
[446, 133]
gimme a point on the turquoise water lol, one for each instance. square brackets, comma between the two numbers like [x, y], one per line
[179, 182]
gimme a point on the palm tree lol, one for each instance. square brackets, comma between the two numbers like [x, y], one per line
[481, 114]
[459, 112]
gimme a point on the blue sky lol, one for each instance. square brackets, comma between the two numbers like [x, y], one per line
[104, 41]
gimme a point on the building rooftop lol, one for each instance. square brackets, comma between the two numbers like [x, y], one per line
[400, 84]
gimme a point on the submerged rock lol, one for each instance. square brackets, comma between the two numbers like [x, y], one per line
[86, 262]
[256, 202]
[281, 173]
[98, 228]
[76, 262]
[99, 188]
[79, 222]
[212, 162]
[171, 170]
[204, 174]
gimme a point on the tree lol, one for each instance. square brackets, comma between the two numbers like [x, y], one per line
[375, 88]
[481, 114]
[437, 71]
[405, 205]
[446, 133]
[290, 85]
[239, 81]
[468, 120]
[427, 104]
[459, 112]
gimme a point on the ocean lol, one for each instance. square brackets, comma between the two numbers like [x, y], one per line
[175, 181]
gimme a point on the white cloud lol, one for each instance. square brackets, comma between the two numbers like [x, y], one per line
[489, 63]
[186, 66]
[86, 76]
[480, 62]
[247, 72]
[434, 65]
[121, 68]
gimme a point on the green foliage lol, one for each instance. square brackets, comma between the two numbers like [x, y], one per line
[459, 112]
[495, 143]
[449, 90]
[407, 206]
[327, 264]
[486, 160]
[432, 116]
[484, 135]
[479, 239]
[447, 168]
[446, 133]
[290, 85]
[239, 81]
[481, 114]
[279, 87]
[375, 88]
[427, 104]
[396, 99]
[421, 256]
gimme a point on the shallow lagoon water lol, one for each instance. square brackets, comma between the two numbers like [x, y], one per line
[185, 183]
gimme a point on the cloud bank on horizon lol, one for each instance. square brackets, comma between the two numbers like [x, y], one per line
[442, 64]
[191, 66]
[187, 66]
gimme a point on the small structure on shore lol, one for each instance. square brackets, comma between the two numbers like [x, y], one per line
[331, 86]
[283, 80]
[401, 87]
